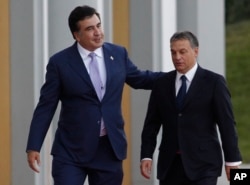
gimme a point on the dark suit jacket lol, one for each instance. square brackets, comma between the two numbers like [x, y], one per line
[193, 129]
[67, 80]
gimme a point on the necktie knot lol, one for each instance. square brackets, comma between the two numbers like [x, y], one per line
[183, 78]
[92, 55]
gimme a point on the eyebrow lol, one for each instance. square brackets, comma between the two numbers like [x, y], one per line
[98, 24]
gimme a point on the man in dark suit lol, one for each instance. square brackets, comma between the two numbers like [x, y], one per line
[90, 139]
[190, 151]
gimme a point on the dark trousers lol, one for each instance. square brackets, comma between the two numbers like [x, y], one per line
[104, 169]
[177, 176]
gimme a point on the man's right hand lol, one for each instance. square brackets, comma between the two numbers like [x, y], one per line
[33, 158]
[146, 166]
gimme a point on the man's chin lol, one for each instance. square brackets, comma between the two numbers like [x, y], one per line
[99, 44]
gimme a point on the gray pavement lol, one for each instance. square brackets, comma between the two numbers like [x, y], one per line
[223, 179]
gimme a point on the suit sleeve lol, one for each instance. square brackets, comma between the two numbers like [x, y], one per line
[151, 127]
[225, 120]
[139, 79]
[45, 109]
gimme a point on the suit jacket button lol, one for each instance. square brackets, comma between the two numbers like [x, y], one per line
[180, 114]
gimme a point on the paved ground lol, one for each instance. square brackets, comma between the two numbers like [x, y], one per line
[223, 180]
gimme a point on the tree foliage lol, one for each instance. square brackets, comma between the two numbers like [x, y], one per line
[237, 10]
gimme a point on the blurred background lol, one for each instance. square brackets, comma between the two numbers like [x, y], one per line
[238, 67]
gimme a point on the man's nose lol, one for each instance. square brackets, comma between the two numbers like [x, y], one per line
[97, 31]
[177, 56]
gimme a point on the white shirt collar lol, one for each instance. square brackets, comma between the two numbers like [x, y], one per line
[190, 74]
[85, 53]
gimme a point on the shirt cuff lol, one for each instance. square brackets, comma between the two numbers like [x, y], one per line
[233, 163]
[146, 159]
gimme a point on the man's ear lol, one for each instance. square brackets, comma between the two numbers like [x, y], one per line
[76, 36]
[196, 51]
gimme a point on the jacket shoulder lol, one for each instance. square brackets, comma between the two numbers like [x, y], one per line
[210, 74]
[166, 76]
[111, 45]
[66, 51]
[166, 79]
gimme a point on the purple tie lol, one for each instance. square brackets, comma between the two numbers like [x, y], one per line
[95, 75]
[97, 83]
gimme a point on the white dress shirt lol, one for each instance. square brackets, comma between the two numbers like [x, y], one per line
[100, 61]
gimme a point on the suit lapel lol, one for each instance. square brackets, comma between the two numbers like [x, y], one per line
[172, 87]
[109, 60]
[168, 89]
[77, 64]
[195, 86]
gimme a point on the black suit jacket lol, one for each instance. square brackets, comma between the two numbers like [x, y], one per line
[68, 81]
[193, 129]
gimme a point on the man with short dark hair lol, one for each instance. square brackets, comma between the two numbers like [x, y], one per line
[88, 79]
[189, 103]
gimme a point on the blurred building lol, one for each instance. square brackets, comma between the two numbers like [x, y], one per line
[32, 30]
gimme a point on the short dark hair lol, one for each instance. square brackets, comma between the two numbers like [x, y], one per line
[78, 14]
[185, 35]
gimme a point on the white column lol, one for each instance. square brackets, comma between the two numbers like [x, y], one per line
[151, 25]
[169, 24]
[164, 25]
[211, 34]
[41, 48]
[206, 20]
